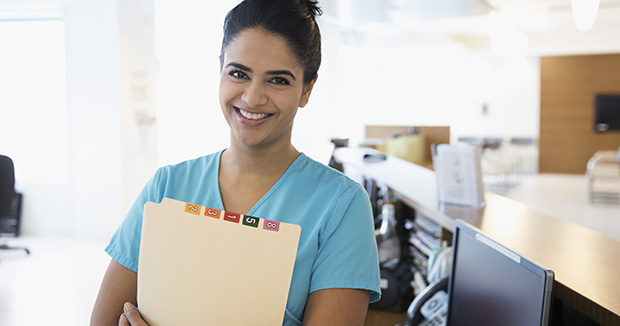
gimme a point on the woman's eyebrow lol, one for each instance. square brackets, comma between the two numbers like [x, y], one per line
[270, 72]
[238, 66]
[281, 72]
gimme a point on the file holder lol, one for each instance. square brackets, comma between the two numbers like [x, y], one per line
[459, 174]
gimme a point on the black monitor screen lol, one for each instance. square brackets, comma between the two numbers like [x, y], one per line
[491, 285]
[607, 112]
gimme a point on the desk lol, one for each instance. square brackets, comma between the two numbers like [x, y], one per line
[586, 263]
[384, 318]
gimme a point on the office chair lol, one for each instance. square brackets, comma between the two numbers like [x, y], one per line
[10, 203]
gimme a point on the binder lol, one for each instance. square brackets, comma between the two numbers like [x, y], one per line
[203, 266]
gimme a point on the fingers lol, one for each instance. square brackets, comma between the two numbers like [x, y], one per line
[131, 316]
[123, 321]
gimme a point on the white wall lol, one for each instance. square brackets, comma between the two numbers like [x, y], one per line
[189, 36]
[94, 116]
[138, 69]
[110, 76]
[33, 117]
[112, 67]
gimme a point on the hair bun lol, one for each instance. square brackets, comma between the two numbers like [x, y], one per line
[313, 7]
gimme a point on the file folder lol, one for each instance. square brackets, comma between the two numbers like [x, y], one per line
[203, 266]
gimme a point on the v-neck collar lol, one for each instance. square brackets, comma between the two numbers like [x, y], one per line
[268, 194]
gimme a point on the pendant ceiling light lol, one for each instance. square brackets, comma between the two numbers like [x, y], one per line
[584, 13]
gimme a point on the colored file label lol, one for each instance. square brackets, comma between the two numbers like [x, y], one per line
[246, 220]
[212, 212]
[191, 208]
[271, 225]
[232, 217]
[250, 221]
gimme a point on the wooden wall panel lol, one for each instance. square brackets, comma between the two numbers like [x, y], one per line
[567, 89]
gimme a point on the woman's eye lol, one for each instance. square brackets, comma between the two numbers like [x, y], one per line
[280, 81]
[238, 74]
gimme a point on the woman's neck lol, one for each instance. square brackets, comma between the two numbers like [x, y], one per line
[270, 161]
[246, 175]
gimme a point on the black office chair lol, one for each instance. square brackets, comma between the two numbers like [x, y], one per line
[10, 204]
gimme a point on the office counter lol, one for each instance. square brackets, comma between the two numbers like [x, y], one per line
[586, 263]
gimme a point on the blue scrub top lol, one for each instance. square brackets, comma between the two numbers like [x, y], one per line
[337, 247]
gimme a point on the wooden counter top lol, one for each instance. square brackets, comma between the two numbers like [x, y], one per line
[586, 263]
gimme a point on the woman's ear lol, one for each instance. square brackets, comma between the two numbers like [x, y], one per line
[305, 95]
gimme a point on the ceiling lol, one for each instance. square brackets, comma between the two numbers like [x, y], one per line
[548, 24]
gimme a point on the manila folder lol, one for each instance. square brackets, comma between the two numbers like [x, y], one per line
[202, 266]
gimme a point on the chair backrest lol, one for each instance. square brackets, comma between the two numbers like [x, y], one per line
[7, 184]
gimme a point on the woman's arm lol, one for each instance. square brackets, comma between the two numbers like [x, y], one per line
[337, 307]
[119, 286]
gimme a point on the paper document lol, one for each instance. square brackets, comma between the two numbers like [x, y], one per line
[203, 266]
[459, 174]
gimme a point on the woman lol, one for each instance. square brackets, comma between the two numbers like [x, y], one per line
[269, 62]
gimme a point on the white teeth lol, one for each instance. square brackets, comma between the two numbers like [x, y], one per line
[253, 116]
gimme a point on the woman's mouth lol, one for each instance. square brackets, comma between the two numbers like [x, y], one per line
[252, 116]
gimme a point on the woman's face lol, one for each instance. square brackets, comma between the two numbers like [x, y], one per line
[261, 87]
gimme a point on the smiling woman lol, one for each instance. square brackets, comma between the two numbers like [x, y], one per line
[269, 61]
[259, 98]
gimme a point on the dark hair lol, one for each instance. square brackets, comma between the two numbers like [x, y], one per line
[293, 20]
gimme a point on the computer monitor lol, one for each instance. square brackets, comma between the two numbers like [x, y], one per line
[492, 285]
[606, 112]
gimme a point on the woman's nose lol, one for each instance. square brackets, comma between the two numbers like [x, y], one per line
[254, 94]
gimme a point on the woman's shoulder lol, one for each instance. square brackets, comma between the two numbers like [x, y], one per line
[204, 162]
[318, 172]
[185, 180]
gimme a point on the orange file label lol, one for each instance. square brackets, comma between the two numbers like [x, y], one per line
[191, 208]
[212, 212]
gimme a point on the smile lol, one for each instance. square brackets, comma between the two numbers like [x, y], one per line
[252, 116]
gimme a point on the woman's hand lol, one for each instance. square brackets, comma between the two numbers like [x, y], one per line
[131, 316]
